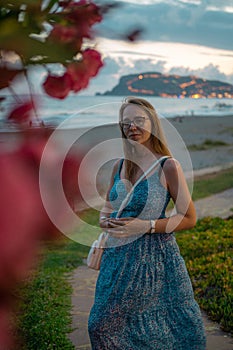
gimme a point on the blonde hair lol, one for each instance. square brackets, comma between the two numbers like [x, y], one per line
[157, 137]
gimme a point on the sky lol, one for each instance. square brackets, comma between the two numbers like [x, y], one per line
[179, 37]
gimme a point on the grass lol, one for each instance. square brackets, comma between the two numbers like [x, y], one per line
[44, 311]
[213, 183]
[206, 185]
[207, 144]
[208, 251]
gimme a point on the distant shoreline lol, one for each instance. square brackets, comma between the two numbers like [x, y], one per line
[158, 84]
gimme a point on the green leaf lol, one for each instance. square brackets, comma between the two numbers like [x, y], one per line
[15, 37]
[19, 3]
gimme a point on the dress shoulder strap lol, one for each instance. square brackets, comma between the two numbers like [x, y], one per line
[120, 166]
[162, 164]
[164, 160]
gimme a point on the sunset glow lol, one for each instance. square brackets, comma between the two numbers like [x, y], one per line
[174, 54]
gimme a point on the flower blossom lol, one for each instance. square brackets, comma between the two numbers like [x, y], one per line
[81, 71]
[76, 77]
[79, 76]
[24, 223]
[7, 75]
[84, 14]
[92, 61]
[22, 112]
[63, 34]
[80, 17]
[58, 86]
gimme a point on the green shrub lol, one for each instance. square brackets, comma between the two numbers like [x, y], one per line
[207, 185]
[208, 253]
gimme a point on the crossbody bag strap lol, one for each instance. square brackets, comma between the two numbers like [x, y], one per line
[125, 201]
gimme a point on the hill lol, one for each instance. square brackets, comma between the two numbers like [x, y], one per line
[165, 85]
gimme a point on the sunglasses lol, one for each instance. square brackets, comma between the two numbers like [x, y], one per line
[137, 121]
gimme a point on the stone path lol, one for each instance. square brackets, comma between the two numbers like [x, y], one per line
[220, 204]
[83, 282]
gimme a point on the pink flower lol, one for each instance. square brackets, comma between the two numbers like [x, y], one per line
[24, 223]
[66, 35]
[76, 77]
[93, 62]
[63, 34]
[79, 75]
[84, 11]
[81, 72]
[20, 219]
[58, 87]
[7, 75]
[22, 113]
[69, 179]
[84, 14]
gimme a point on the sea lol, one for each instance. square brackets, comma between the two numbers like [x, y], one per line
[88, 111]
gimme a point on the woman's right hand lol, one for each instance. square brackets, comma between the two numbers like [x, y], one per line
[104, 223]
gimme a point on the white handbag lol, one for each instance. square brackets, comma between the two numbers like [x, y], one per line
[96, 252]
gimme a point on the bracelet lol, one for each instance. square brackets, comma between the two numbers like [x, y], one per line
[152, 226]
[103, 218]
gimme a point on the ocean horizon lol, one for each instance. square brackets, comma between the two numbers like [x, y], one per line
[88, 111]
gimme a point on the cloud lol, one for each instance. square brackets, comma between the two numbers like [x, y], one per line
[211, 72]
[132, 53]
[175, 21]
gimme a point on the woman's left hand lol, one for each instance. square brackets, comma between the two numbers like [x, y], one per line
[125, 227]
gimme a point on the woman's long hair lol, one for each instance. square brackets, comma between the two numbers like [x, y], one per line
[157, 138]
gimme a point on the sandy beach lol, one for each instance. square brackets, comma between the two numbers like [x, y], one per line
[183, 133]
[196, 130]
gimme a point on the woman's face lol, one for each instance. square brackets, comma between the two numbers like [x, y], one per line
[136, 124]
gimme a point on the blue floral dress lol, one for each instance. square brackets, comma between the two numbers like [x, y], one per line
[144, 298]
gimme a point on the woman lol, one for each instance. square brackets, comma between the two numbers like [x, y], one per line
[144, 298]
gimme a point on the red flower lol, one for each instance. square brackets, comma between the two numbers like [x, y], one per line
[7, 75]
[22, 203]
[69, 179]
[81, 72]
[24, 221]
[19, 217]
[92, 60]
[76, 77]
[85, 11]
[79, 75]
[58, 87]
[66, 35]
[63, 34]
[22, 113]
[84, 14]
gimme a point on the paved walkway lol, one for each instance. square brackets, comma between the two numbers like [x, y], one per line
[83, 282]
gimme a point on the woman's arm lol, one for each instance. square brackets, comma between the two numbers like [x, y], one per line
[185, 217]
[107, 208]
